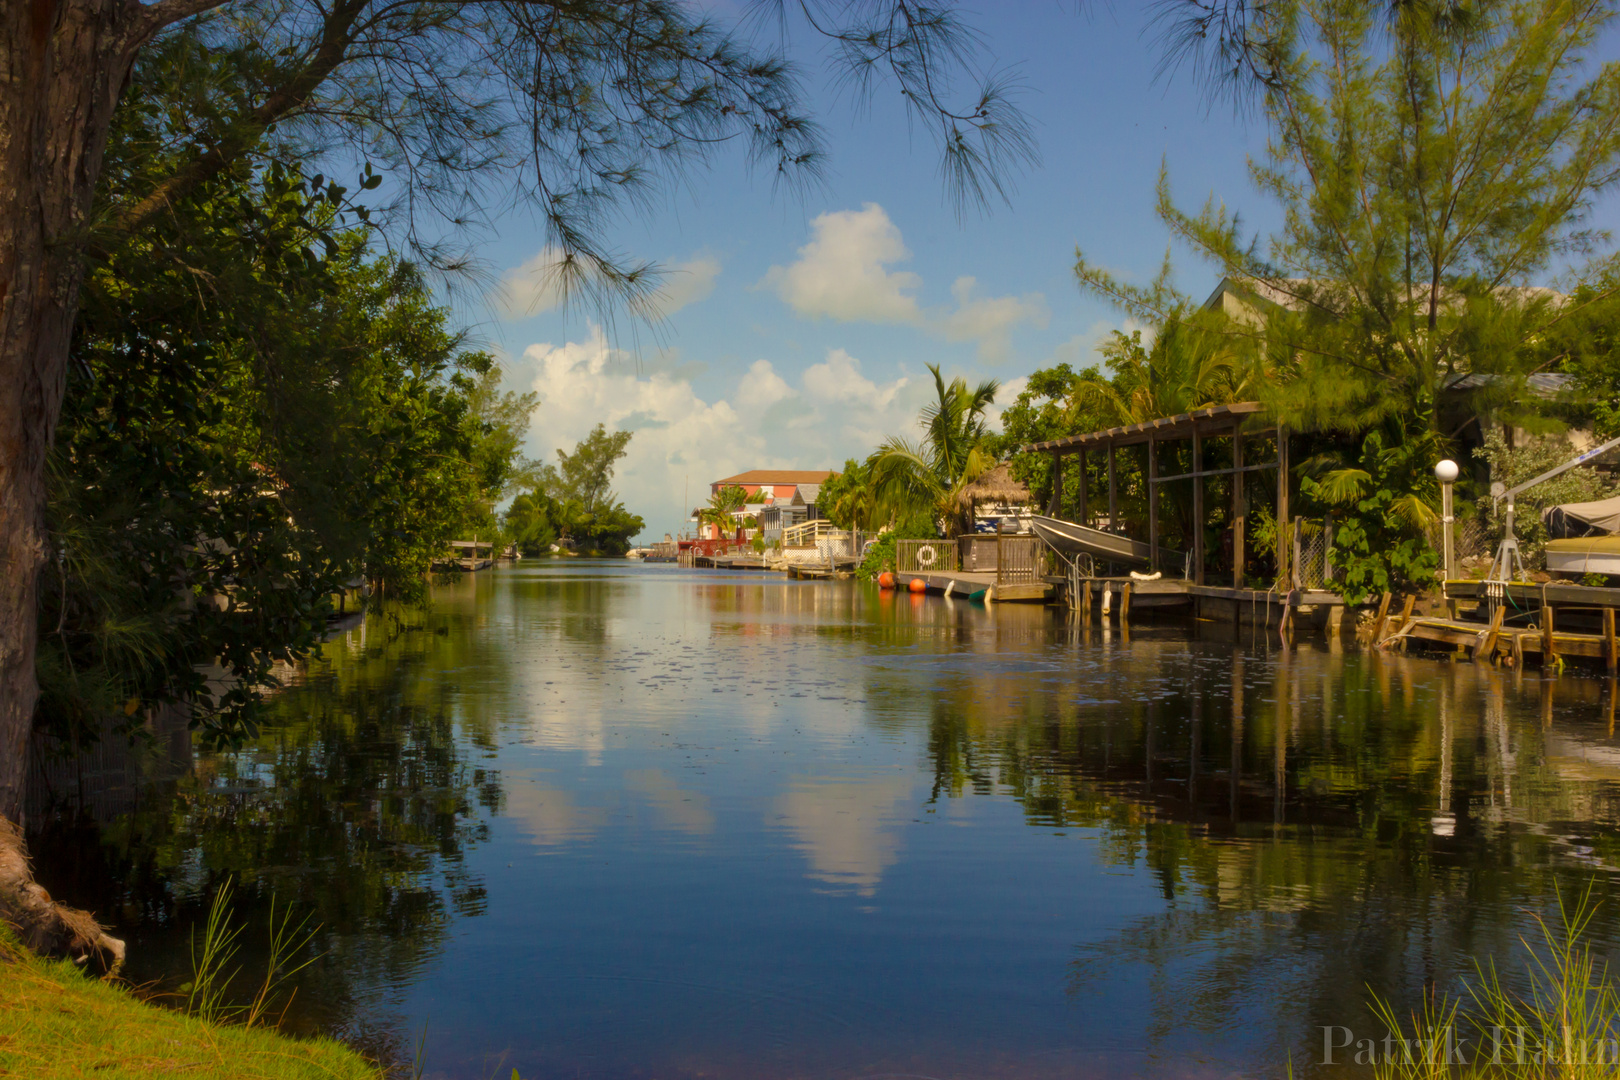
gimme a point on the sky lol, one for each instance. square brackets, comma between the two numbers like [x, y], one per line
[798, 324]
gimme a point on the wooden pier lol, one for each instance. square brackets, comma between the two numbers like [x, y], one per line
[1514, 623]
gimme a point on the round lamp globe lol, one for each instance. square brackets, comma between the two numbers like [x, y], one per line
[1446, 471]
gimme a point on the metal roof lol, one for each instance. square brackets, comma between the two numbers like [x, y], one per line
[1216, 420]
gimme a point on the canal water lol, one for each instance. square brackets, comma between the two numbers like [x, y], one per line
[604, 820]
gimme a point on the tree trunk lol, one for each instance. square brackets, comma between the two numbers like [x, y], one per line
[62, 66]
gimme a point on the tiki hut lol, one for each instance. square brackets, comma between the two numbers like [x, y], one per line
[996, 486]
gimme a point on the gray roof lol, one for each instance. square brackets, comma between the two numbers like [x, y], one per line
[805, 494]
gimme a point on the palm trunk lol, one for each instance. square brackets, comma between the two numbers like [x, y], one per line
[62, 65]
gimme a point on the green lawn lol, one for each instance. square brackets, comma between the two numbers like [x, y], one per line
[56, 1024]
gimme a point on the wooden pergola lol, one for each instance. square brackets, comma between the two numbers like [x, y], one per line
[1219, 421]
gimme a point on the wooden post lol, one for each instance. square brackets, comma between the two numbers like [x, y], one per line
[1113, 492]
[1282, 504]
[1406, 612]
[1198, 508]
[1125, 603]
[1081, 514]
[1487, 648]
[1378, 620]
[1610, 660]
[1240, 509]
[1294, 566]
[1085, 599]
[1153, 503]
[1548, 653]
[1057, 485]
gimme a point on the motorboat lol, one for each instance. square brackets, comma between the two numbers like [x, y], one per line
[1586, 538]
[1070, 539]
[1581, 555]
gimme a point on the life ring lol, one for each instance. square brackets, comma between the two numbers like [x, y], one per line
[926, 555]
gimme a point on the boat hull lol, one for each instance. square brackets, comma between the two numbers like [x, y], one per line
[1585, 555]
[1070, 539]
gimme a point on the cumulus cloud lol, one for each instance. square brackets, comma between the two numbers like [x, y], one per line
[682, 442]
[844, 273]
[990, 320]
[534, 286]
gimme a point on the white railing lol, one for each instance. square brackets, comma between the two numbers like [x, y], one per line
[809, 533]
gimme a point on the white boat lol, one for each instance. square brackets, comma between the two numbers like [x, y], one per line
[1070, 539]
[1581, 555]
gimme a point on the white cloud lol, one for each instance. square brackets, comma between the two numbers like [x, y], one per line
[534, 287]
[990, 321]
[683, 442]
[531, 288]
[844, 273]
[1081, 351]
[686, 283]
[841, 273]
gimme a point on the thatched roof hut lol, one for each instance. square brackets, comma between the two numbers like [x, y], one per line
[997, 486]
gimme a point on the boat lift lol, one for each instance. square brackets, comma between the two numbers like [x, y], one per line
[1507, 552]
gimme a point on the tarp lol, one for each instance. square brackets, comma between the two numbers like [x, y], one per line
[1583, 519]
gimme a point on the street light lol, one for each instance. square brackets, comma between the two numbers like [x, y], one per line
[1446, 472]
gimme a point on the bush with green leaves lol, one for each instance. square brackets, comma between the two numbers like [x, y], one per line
[1381, 508]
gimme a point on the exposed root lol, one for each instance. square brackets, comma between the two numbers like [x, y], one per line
[42, 924]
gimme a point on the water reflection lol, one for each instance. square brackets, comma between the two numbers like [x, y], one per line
[611, 821]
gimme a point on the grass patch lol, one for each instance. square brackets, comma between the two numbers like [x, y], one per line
[57, 1023]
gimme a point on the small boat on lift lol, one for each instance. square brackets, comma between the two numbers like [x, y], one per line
[1070, 539]
[1586, 538]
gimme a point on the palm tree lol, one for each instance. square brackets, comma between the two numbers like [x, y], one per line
[934, 472]
[722, 508]
[1190, 365]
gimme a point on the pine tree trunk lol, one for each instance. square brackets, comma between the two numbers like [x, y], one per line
[62, 66]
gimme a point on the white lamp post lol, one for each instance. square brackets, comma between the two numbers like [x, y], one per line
[1446, 472]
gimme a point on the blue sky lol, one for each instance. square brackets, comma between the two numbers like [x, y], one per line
[799, 325]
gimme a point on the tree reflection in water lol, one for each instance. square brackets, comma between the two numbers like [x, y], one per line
[357, 805]
[1319, 823]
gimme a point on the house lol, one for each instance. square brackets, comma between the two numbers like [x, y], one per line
[1250, 302]
[781, 514]
[765, 486]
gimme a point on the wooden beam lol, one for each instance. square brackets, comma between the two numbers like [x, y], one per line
[1487, 647]
[1282, 506]
[1153, 504]
[1113, 492]
[1610, 659]
[1198, 509]
[1549, 651]
[1240, 509]
[1057, 486]
[1379, 619]
[1215, 472]
[1081, 509]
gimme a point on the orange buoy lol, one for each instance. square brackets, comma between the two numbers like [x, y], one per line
[918, 585]
[885, 580]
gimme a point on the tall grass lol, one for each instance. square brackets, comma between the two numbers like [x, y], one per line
[1564, 1026]
[214, 969]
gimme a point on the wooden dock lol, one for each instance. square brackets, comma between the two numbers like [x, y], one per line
[967, 584]
[1565, 620]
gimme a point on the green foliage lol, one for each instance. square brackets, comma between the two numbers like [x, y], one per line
[259, 413]
[850, 499]
[930, 476]
[573, 503]
[722, 509]
[1381, 508]
[1040, 412]
[1529, 459]
[880, 556]
[1428, 167]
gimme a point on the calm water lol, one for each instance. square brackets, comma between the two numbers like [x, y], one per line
[605, 820]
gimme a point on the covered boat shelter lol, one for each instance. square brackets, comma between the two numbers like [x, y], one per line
[1240, 422]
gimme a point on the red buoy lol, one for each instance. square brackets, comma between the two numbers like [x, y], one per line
[885, 580]
[918, 585]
